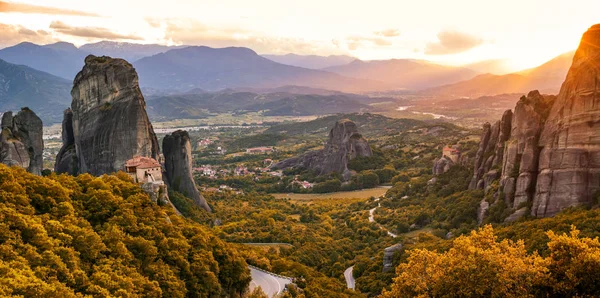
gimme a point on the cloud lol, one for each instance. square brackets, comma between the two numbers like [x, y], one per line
[388, 33]
[355, 42]
[191, 32]
[90, 32]
[14, 34]
[10, 7]
[452, 42]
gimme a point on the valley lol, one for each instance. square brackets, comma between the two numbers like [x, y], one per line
[180, 156]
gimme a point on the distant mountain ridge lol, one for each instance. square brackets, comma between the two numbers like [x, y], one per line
[547, 78]
[22, 86]
[311, 61]
[125, 50]
[60, 59]
[233, 67]
[404, 73]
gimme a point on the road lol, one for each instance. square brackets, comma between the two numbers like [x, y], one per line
[372, 219]
[270, 284]
[349, 278]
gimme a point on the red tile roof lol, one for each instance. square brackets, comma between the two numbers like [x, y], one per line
[141, 162]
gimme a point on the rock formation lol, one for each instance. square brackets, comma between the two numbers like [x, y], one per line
[451, 155]
[519, 168]
[388, 256]
[109, 120]
[66, 159]
[21, 141]
[551, 158]
[490, 152]
[177, 150]
[442, 165]
[569, 163]
[343, 145]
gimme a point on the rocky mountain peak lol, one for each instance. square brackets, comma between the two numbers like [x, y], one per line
[344, 144]
[551, 159]
[569, 162]
[178, 166]
[109, 120]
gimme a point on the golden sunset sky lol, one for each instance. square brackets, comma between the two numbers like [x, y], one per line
[528, 32]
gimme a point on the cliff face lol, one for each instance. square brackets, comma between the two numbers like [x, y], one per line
[110, 124]
[21, 140]
[177, 150]
[343, 145]
[490, 153]
[569, 162]
[520, 163]
[551, 159]
[66, 159]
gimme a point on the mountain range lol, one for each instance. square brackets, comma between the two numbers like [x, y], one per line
[311, 61]
[547, 78]
[404, 73]
[22, 86]
[215, 69]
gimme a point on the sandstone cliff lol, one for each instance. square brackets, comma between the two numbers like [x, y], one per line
[177, 150]
[490, 153]
[110, 124]
[21, 140]
[66, 159]
[569, 163]
[551, 158]
[343, 145]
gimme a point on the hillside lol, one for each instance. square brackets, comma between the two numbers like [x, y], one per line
[220, 68]
[547, 78]
[22, 86]
[65, 236]
[60, 59]
[404, 73]
[200, 104]
[372, 125]
[311, 61]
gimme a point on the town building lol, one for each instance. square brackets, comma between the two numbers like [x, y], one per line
[452, 152]
[144, 169]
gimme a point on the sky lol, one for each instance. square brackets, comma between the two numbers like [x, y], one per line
[522, 33]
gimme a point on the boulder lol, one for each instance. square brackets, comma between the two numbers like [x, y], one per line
[109, 120]
[21, 141]
[569, 163]
[177, 151]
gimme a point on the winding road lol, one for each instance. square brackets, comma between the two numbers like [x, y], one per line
[350, 282]
[272, 285]
[349, 278]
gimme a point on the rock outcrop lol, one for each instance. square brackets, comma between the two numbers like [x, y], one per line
[569, 163]
[177, 151]
[442, 165]
[66, 159]
[110, 124]
[388, 256]
[551, 158]
[491, 149]
[519, 168]
[343, 145]
[21, 140]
